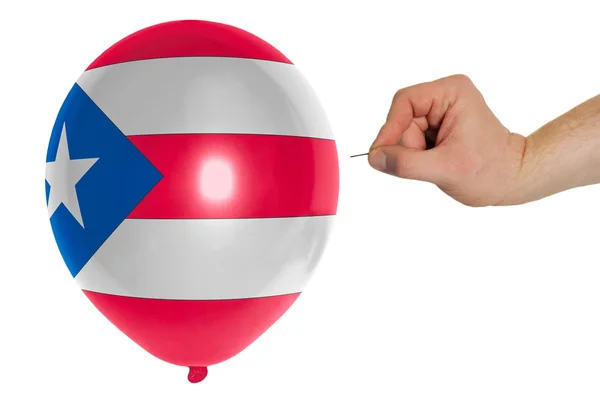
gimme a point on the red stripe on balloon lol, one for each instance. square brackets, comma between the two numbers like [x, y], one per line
[189, 38]
[195, 333]
[239, 176]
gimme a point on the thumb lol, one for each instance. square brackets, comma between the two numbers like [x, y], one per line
[407, 163]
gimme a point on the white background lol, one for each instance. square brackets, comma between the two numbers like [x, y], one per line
[417, 296]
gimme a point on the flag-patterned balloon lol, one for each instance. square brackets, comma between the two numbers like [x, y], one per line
[192, 180]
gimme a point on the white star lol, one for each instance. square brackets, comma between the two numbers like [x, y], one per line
[62, 176]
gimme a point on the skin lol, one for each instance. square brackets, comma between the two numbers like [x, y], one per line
[444, 133]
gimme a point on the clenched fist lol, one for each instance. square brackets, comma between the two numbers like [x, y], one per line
[443, 132]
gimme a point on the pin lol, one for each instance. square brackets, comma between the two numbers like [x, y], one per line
[359, 155]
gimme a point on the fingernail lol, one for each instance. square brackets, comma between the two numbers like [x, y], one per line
[377, 160]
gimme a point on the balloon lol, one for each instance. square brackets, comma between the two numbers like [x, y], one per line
[192, 181]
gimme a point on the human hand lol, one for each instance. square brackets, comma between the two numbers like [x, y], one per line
[443, 132]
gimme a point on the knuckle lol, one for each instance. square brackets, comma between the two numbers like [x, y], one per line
[398, 95]
[462, 80]
[403, 166]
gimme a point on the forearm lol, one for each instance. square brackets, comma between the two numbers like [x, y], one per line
[563, 154]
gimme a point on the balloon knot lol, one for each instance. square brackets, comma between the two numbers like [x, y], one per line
[197, 374]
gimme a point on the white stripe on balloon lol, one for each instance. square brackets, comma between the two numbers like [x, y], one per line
[207, 95]
[207, 258]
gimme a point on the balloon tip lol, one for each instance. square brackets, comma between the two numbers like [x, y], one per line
[197, 374]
